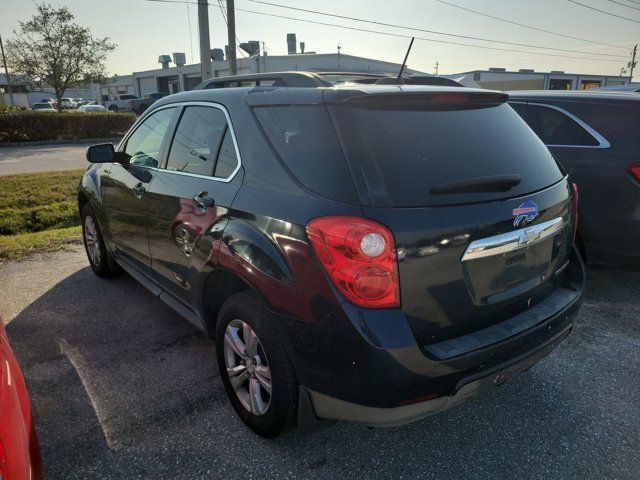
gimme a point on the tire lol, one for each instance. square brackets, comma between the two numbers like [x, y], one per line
[279, 415]
[94, 245]
[142, 108]
[113, 108]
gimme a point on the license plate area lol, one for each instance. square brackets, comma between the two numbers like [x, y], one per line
[505, 266]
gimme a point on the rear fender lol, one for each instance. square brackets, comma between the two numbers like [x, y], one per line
[274, 258]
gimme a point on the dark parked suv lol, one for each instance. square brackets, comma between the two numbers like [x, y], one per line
[370, 253]
[596, 137]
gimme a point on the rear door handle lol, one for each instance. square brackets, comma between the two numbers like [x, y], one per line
[138, 190]
[203, 200]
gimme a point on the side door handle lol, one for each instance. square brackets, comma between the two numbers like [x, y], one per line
[203, 200]
[138, 190]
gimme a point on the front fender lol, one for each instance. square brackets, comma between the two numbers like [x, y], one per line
[89, 190]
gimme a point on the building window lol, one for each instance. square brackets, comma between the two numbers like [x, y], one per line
[476, 76]
[192, 82]
[587, 84]
[559, 84]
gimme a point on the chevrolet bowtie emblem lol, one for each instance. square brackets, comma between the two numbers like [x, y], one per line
[529, 236]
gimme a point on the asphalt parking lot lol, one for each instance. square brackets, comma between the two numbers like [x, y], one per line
[124, 388]
[43, 158]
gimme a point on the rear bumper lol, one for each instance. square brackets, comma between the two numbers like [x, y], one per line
[366, 366]
[327, 407]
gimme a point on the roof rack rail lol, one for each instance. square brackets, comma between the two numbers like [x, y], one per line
[270, 79]
[315, 79]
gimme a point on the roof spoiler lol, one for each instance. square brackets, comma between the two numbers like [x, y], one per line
[429, 100]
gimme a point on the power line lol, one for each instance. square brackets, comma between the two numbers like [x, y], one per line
[190, 35]
[420, 38]
[624, 5]
[173, 1]
[602, 11]
[315, 12]
[224, 15]
[528, 26]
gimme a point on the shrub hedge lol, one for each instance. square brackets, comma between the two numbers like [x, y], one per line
[31, 126]
[12, 108]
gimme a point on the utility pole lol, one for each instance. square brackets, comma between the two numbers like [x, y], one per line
[436, 66]
[633, 62]
[231, 30]
[6, 72]
[205, 44]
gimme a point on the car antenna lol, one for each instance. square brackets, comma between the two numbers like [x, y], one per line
[397, 80]
[404, 62]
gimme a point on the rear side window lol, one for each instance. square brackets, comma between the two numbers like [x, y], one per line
[556, 128]
[203, 144]
[405, 152]
[306, 141]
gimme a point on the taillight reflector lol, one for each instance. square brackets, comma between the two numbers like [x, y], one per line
[634, 170]
[359, 256]
[576, 195]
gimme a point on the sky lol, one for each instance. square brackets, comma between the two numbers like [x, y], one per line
[144, 29]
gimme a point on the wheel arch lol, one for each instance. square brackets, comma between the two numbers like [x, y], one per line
[218, 286]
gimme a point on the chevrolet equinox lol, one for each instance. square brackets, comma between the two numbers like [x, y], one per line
[368, 253]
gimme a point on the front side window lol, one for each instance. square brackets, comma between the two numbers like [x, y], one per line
[203, 144]
[556, 128]
[143, 146]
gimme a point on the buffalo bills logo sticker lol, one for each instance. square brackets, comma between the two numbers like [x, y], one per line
[527, 211]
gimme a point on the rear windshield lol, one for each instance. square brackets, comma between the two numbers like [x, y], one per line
[397, 155]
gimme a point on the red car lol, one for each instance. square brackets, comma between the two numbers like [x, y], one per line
[19, 447]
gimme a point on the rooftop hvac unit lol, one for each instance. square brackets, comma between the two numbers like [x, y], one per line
[497, 69]
[526, 70]
[252, 47]
[164, 60]
[291, 44]
[217, 54]
[179, 59]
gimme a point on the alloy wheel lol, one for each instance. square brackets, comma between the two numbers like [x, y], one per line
[247, 367]
[91, 240]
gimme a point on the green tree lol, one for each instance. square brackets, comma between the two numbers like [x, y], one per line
[52, 49]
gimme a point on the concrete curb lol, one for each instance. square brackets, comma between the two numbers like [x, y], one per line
[61, 142]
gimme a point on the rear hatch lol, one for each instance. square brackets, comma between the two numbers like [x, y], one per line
[479, 209]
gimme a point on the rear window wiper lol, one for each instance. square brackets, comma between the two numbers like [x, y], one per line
[495, 183]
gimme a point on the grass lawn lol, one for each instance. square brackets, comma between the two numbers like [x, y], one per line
[38, 212]
[15, 247]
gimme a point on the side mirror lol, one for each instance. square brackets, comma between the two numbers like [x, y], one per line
[103, 153]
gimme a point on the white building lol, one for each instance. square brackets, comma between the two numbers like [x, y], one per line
[527, 79]
[187, 77]
[117, 85]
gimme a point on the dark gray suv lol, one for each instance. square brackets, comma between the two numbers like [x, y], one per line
[370, 253]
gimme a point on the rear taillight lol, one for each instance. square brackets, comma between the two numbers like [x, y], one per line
[3, 463]
[360, 257]
[634, 170]
[574, 188]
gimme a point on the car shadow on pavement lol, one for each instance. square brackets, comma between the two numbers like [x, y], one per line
[122, 387]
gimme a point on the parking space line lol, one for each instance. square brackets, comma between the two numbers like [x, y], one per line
[82, 368]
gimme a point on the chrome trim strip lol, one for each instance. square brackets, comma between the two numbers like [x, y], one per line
[190, 104]
[511, 241]
[602, 142]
